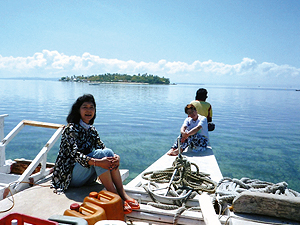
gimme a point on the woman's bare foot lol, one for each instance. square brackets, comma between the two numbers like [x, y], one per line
[173, 152]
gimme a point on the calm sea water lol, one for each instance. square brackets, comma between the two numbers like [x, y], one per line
[256, 136]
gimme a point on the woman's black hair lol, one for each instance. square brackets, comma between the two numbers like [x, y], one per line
[74, 114]
[201, 94]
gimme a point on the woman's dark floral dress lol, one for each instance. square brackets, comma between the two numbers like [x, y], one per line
[76, 143]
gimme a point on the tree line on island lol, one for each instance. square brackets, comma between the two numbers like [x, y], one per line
[116, 77]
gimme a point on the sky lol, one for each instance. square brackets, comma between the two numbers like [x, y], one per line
[188, 41]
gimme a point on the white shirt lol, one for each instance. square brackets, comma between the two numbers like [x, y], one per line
[202, 120]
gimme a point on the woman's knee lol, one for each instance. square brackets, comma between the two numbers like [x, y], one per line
[101, 153]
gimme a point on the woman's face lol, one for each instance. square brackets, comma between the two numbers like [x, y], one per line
[192, 113]
[87, 111]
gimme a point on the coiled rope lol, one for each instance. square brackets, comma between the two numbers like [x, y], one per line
[184, 177]
[184, 184]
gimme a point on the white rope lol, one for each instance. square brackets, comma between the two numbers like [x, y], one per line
[228, 188]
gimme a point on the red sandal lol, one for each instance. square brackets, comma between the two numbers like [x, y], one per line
[133, 204]
[127, 208]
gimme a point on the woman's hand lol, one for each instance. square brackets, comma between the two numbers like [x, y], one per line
[108, 163]
[115, 161]
[184, 136]
[105, 162]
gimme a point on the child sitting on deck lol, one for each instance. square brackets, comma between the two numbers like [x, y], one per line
[194, 132]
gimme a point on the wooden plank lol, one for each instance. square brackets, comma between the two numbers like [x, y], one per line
[42, 124]
[279, 206]
[209, 214]
[156, 216]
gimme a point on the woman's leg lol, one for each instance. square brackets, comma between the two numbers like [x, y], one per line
[103, 174]
[106, 180]
[117, 180]
[82, 175]
[99, 154]
[174, 151]
[112, 181]
[198, 142]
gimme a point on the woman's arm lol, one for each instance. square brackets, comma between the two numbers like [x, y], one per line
[185, 134]
[99, 143]
[194, 130]
[70, 142]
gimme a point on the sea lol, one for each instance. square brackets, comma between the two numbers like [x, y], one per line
[257, 133]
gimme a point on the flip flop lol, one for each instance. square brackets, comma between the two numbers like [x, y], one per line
[133, 204]
[127, 208]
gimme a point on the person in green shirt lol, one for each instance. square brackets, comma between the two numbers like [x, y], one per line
[203, 108]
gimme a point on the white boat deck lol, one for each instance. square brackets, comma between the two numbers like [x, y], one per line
[41, 202]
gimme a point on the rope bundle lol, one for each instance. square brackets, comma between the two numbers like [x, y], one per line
[184, 184]
[184, 177]
[229, 188]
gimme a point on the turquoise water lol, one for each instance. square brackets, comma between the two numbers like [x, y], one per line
[256, 136]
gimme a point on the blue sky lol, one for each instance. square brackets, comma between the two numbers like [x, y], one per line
[234, 42]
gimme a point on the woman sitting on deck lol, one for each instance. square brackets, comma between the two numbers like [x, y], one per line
[83, 157]
[194, 132]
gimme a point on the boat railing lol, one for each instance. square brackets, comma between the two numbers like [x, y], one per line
[17, 183]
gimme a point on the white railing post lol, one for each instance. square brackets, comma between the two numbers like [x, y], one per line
[2, 146]
[5, 166]
[40, 158]
[21, 182]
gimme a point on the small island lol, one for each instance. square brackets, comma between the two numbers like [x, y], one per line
[118, 78]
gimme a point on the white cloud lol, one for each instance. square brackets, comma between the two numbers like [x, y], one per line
[49, 64]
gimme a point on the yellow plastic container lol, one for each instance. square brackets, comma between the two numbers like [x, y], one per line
[90, 212]
[110, 202]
